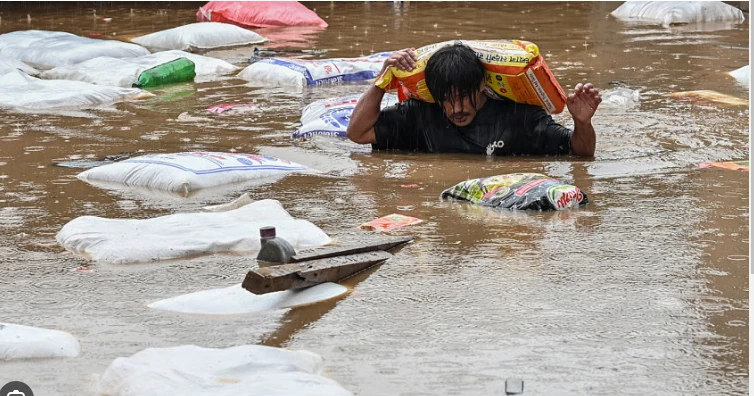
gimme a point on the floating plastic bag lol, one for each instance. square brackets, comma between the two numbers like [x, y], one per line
[197, 371]
[331, 116]
[24, 342]
[709, 96]
[678, 12]
[390, 222]
[10, 64]
[26, 92]
[620, 98]
[122, 241]
[301, 72]
[235, 300]
[45, 49]
[126, 72]
[742, 75]
[259, 14]
[731, 165]
[199, 36]
[519, 191]
[514, 69]
[191, 171]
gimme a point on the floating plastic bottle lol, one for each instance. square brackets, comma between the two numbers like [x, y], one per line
[274, 250]
[176, 71]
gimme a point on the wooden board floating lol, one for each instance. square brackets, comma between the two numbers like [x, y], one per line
[332, 251]
[311, 272]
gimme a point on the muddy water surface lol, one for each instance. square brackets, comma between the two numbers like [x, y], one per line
[643, 291]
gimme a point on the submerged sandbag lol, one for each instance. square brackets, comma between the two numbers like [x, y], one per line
[122, 241]
[330, 117]
[24, 342]
[126, 72]
[235, 300]
[10, 64]
[22, 91]
[519, 191]
[234, 371]
[742, 75]
[187, 172]
[199, 36]
[47, 49]
[301, 72]
[670, 13]
[259, 14]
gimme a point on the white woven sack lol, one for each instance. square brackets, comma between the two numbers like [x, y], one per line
[47, 49]
[199, 36]
[197, 371]
[330, 117]
[187, 172]
[742, 75]
[125, 72]
[678, 12]
[122, 241]
[24, 342]
[235, 300]
[10, 64]
[302, 72]
[26, 92]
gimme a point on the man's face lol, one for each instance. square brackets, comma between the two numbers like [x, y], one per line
[459, 109]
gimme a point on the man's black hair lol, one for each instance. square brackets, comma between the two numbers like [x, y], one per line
[455, 68]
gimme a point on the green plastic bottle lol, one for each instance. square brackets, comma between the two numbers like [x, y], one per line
[177, 71]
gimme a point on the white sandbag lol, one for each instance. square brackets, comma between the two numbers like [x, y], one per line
[25, 92]
[122, 241]
[678, 12]
[199, 36]
[46, 49]
[197, 371]
[10, 64]
[742, 75]
[191, 171]
[235, 300]
[331, 116]
[300, 72]
[24, 342]
[125, 72]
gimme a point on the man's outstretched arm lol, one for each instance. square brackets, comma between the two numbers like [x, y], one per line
[582, 104]
[361, 126]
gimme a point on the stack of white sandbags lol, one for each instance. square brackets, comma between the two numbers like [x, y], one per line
[670, 13]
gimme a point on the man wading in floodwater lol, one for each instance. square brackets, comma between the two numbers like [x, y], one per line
[465, 120]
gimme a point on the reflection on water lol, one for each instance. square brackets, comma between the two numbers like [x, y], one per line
[643, 291]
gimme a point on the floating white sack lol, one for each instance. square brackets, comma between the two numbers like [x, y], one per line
[10, 64]
[46, 49]
[235, 300]
[125, 72]
[199, 36]
[191, 171]
[121, 241]
[24, 342]
[301, 72]
[239, 370]
[742, 75]
[22, 91]
[678, 12]
[331, 116]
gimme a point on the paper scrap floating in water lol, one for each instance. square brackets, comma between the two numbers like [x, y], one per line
[222, 108]
[670, 13]
[199, 36]
[24, 342]
[520, 191]
[237, 300]
[238, 370]
[711, 96]
[292, 72]
[122, 241]
[737, 165]
[184, 173]
[330, 117]
[259, 14]
[390, 222]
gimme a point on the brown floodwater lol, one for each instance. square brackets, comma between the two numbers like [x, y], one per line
[642, 292]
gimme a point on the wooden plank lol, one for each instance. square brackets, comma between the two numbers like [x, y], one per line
[332, 251]
[309, 273]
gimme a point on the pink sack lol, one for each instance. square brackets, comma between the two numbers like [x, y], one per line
[259, 14]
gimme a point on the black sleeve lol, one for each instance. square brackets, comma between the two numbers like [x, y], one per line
[544, 135]
[397, 128]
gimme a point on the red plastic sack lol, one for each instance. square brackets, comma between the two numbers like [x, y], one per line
[259, 14]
